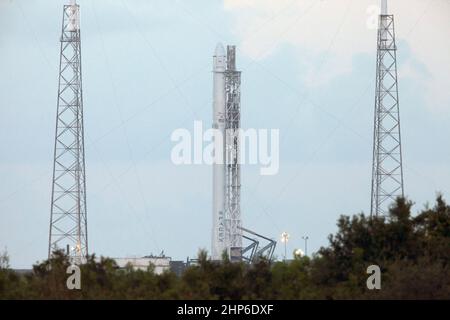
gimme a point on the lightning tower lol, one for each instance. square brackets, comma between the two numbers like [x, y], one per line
[68, 218]
[227, 232]
[387, 170]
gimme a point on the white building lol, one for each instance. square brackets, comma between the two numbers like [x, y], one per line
[160, 264]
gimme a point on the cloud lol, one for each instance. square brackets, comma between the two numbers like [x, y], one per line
[327, 34]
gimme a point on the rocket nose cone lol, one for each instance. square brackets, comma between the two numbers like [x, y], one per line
[220, 51]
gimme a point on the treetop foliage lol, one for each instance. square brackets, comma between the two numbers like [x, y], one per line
[413, 253]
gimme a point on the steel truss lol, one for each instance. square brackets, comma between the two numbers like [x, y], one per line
[387, 170]
[68, 219]
[253, 253]
[232, 157]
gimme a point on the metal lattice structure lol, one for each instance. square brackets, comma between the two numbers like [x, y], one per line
[232, 157]
[253, 252]
[68, 219]
[387, 170]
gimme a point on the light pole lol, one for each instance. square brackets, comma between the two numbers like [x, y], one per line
[285, 239]
[306, 244]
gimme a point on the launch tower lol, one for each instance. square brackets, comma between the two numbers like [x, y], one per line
[227, 232]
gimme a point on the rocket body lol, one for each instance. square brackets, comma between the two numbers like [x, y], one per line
[219, 100]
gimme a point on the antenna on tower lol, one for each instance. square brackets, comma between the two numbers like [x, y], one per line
[387, 168]
[68, 215]
[383, 7]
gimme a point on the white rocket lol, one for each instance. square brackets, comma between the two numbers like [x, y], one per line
[218, 232]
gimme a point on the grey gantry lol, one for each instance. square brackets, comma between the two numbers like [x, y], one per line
[232, 157]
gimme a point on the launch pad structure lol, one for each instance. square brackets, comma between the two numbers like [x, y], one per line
[227, 232]
[253, 252]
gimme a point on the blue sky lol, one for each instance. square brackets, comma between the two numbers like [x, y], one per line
[308, 69]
